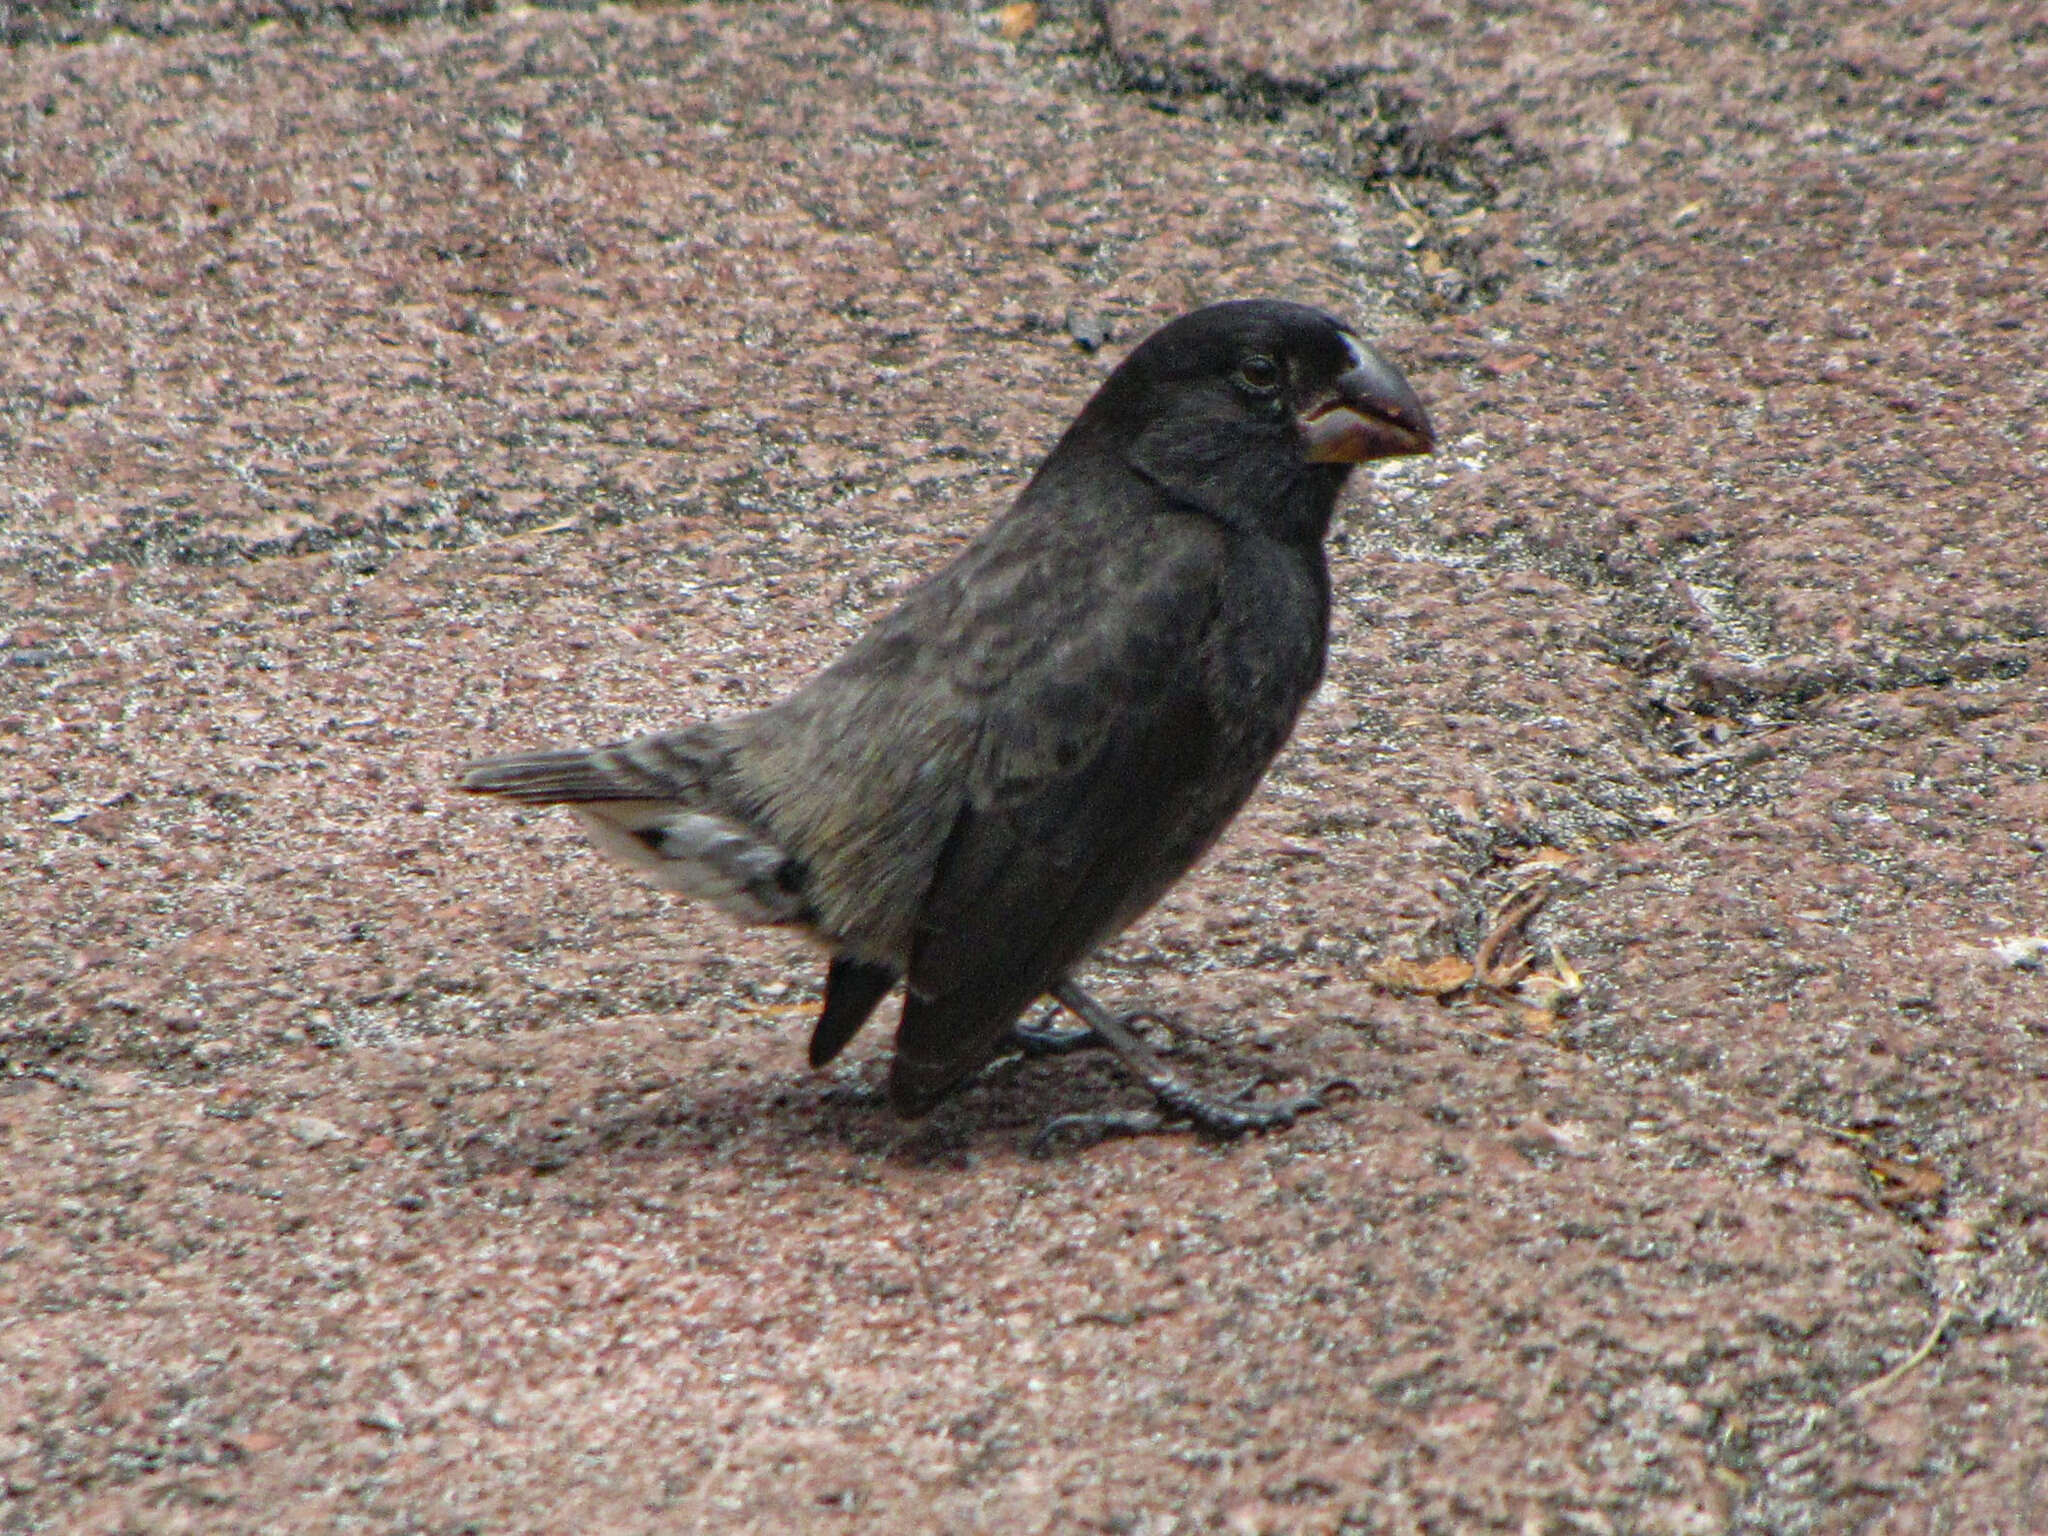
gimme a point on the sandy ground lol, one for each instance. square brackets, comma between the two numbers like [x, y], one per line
[385, 384]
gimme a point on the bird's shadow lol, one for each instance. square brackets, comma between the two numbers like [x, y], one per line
[1002, 1112]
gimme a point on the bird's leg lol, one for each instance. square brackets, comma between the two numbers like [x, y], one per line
[1044, 1038]
[1177, 1101]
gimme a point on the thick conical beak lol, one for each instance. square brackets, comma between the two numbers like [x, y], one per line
[1372, 414]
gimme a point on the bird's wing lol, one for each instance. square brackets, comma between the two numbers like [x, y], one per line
[1085, 769]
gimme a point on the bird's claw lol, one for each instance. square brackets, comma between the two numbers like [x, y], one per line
[1176, 1104]
[1227, 1119]
[1099, 1125]
[1181, 1108]
[1044, 1038]
[1048, 1039]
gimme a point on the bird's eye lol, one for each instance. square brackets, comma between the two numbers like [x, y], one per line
[1259, 374]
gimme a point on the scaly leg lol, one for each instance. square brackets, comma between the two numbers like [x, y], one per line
[1221, 1118]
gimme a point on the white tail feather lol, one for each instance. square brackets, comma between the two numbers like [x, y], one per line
[699, 854]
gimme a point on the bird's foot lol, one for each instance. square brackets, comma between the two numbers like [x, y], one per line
[1179, 1108]
[1099, 1125]
[1045, 1038]
[1227, 1119]
[1177, 1105]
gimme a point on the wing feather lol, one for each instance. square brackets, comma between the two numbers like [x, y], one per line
[1033, 879]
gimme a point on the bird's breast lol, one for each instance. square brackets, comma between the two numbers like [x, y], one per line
[1269, 640]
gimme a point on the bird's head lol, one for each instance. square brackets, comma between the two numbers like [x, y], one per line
[1254, 411]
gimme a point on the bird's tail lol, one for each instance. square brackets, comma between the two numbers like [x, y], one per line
[672, 766]
[657, 805]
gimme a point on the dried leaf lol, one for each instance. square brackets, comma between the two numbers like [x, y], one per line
[1014, 21]
[1905, 1183]
[1428, 978]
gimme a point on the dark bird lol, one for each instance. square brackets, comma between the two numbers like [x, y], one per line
[1046, 733]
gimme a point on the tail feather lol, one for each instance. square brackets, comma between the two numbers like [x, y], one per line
[666, 767]
[654, 805]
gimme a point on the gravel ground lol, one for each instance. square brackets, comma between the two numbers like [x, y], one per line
[384, 384]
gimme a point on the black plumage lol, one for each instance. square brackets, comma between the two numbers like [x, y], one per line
[1045, 734]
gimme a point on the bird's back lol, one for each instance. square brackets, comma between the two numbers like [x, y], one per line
[1013, 666]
